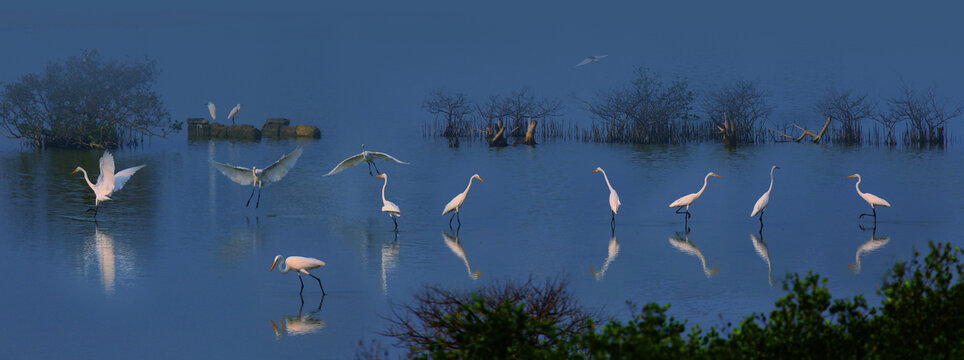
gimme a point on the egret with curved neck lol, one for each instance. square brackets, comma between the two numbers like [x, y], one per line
[107, 182]
[613, 197]
[301, 265]
[456, 202]
[761, 204]
[388, 206]
[871, 199]
[687, 200]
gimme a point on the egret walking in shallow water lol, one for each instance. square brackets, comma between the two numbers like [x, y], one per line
[457, 201]
[688, 200]
[366, 156]
[871, 199]
[107, 182]
[761, 204]
[613, 197]
[388, 206]
[301, 265]
[260, 177]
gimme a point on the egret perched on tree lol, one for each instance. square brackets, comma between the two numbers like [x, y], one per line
[871, 199]
[211, 110]
[613, 197]
[107, 182]
[234, 112]
[260, 177]
[591, 59]
[366, 156]
[687, 200]
[457, 201]
[764, 200]
[301, 265]
[388, 206]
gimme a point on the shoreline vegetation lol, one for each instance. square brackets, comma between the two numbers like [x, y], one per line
[650, 110]
[919, 316]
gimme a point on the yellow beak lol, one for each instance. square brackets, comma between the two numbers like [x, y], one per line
[273, 264]
[480, 179]
[380, 175]
[594, 171]
[717, 176]
[73, 172]
[855, 175]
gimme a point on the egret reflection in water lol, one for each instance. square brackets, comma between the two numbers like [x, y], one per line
[389, 262]
[302, 324]
[109, 259]
[761, 249]
[456, 246]
[874, 243]
[683, 243]
[613, 251]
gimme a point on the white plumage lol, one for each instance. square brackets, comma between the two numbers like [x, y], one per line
[388, 206]
[366, 156]
[260, 177]
[764, 200]
[107, 182]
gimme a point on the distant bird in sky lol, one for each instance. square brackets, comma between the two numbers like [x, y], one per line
[211, 109]
[388, 206]
[591, 59]
[457, 201]
[233, 113]
[260, 177]
[107, 182]
[366, 156]
[301, 265]
[764, 200]
[687, 200]
[613, 197]
[871, 199]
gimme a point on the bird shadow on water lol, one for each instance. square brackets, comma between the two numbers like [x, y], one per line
[612, 252]
[681, 241]
[875, 242]
[301, 324]
[455, 245]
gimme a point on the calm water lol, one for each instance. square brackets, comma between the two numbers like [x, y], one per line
[177, 266]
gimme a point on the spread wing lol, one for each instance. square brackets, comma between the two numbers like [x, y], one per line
[106, 177]
[280, 168]
[584, 62]
[347, 163]
[121, 178]
[384, 156]
[237, 174]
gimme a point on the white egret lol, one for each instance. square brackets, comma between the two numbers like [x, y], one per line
[873, 244]
[457, 201]
[685, 245]
[260, 177]
[613, 250]
[301, 265]
[871, 199]
[366, 156]
[234, 112]
[107, 182]
[388, 206]
[613, 197]
[591, 59]
[456, 246]
[211, 109]
[687, 200]
[761, 204]
[761, 249]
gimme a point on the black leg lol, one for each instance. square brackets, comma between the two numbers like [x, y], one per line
[300, 292]
[457, 217]
[370, 169]
[259, 198]
[396, 223]
[376, 168]
[319, 285]
[450, 220]
[249, 197]
[612, 223]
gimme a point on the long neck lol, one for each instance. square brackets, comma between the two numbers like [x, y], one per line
[86, 178]
[607, 180]
[284, 267]
[771, 179]
[470, 185]
[386, 184]
[707, 178]
[858, 186]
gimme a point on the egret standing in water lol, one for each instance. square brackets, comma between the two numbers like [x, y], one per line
[871, 199]
[761, 204]
[234, 112]
[366, 156]
[107, 182]
[687, 200]
[260, 177]
[388, 206]
[211, 109]
[613, 197]
[457, 201]
[301, 265]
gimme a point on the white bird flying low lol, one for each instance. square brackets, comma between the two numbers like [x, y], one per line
[457, 201]
[591, 59]
[613, 197]
[761, 204]
[260, 177]
[871, 199]
[234, 112]
[388, 206]
[107, 182]
[211, 110]
[366, 156]
[687, 200]
[301, 265]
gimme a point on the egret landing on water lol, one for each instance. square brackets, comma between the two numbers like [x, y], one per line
[234, 112]
[457, 201]
[871, 199]
[388, 206]
[301, 265]
[764, 200]
[613, 198]
[688, 200]
[260, 177]
[107, 182]
[366, 156]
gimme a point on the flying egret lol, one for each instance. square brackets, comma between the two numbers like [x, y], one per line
[234, 112]
[211, 110]
[388, 206]
[687, 200]
[366, 156]
[871, 199]
[107, 182]
[260, 177]
[591, 59]
[301, 265]
[457, 201]
[761, 204]
[613, 197]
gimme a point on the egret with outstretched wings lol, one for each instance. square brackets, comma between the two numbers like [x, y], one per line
[366, 156]
[107, 182]
[260, 177]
